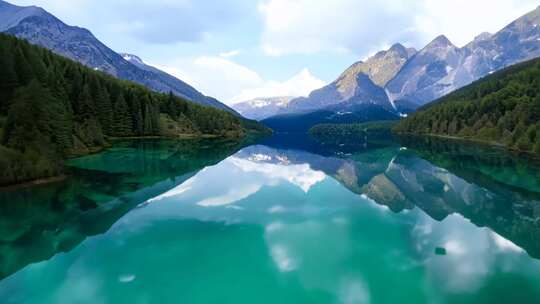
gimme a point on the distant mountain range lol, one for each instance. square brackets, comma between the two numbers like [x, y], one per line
[361, 83]
[400, 79]
[42, 28]
[302, 122]
[261, 108]
[441, 67]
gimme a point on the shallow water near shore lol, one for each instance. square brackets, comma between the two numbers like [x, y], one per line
[209, 221]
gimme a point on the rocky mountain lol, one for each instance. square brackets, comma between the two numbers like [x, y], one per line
[401, 79]
[398, 179]
[42, 28]
[420, 79]
[361, 83]
[380, 68]
[261, 108]
[441, 67]
[182, 88]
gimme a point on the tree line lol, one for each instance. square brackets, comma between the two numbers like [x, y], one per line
[503, 108]
[52, 107]
[351, 134]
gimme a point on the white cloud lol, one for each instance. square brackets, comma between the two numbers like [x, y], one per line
[234, 195]
[229, 71]
[283, 259]
[300, 84]
[300, 175]
[229, 54]
[215, 76]
[231, 82]
[306, 26]
[185, 187]
[462, 25]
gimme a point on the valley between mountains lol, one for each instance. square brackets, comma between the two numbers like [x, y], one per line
[400, 83]
[131, 171]
[395, 82]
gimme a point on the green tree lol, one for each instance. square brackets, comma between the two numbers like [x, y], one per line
[24, 70]
[27, 126]
[122, 118]
[8, 76]
[104, 110]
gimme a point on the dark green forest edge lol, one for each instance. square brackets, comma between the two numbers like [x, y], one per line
[52, 108]
[501, 109]
[350, 134]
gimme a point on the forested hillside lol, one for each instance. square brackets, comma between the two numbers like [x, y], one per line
[503, 108]
[52, 107]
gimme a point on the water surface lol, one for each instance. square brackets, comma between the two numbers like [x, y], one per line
[410, 221]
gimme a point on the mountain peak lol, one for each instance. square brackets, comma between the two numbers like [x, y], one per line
[132, 58]
[483, 36]
[402, 50]
[439, 42]
[442, 39]
[31, 8]
[380, 68]
[11, 15]
[6, 4]
[42, 28]
[262, 107]
[397, 47]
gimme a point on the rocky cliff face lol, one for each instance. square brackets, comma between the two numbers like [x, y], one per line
[421, 78]
[441, 68]
[362, 83]
[39, 27]
[380, 68]
[519, 41]
[411, 79]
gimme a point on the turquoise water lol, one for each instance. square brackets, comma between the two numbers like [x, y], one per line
[416, 221]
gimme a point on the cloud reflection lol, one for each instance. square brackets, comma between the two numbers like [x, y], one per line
[282, 258]
[300, 175]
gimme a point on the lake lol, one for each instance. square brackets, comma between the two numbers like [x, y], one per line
[283, 221]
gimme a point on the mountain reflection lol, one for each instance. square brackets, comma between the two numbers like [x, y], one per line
[394, 177]
[38, 222]
[336, 224]
[494, 190]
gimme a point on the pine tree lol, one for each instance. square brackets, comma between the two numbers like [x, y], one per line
[27, 124]
[155, 120]
[24, 71]
[122, 118]
[171, 107]
[8, 76]
[535, 108]
[85, 106]
[36, 63]
[76, 84]
[147, 120]
[138, 127]
[105, 111]
[60, 119]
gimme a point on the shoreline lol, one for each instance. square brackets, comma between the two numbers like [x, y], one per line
[35, 182]
[95, 150]
[474, 141]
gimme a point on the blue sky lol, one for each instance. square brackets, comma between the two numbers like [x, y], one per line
[240, 49]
